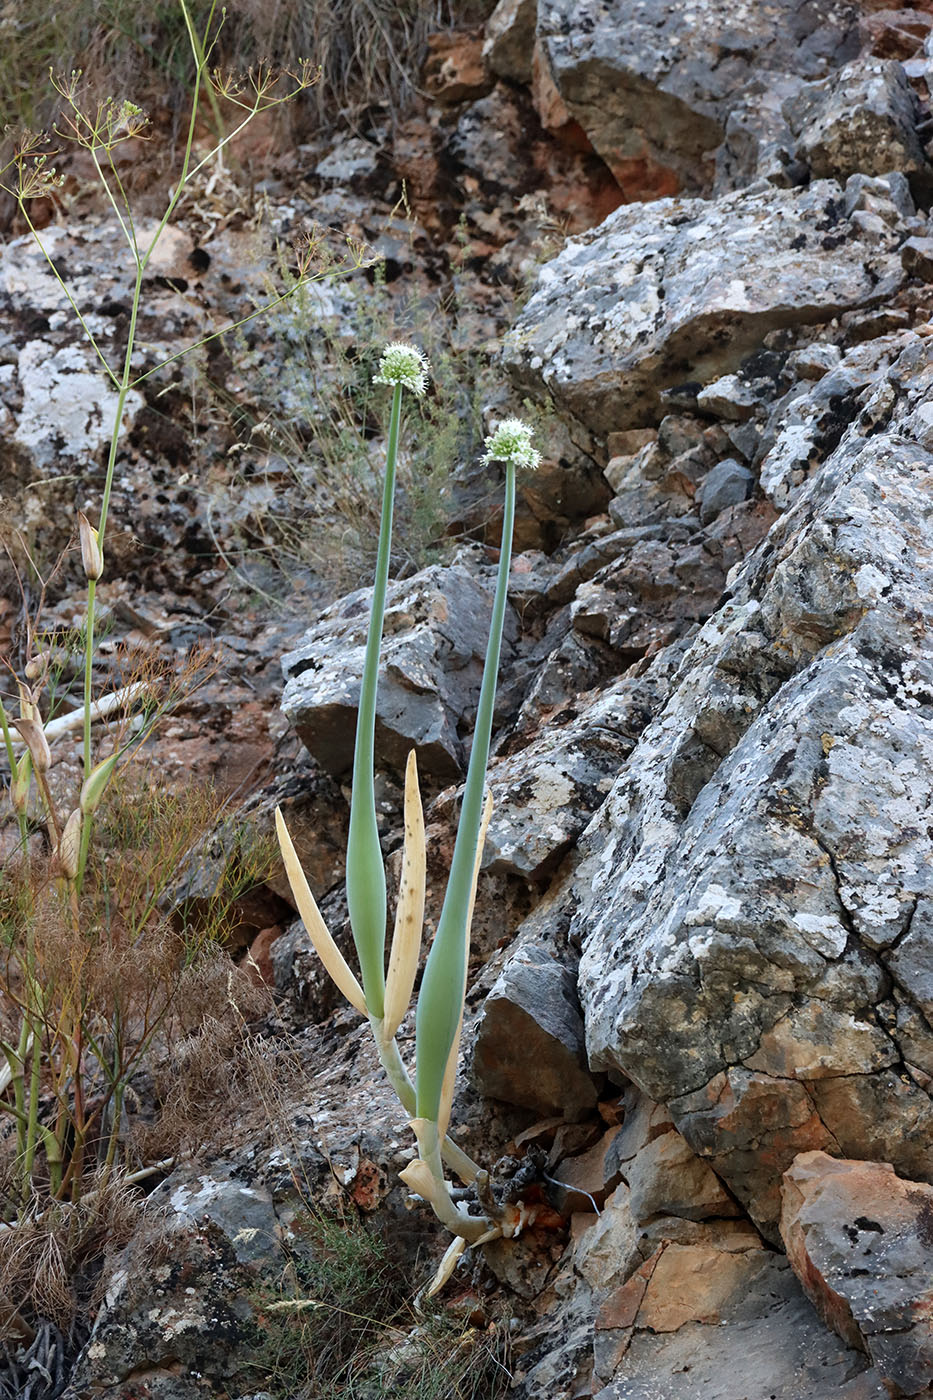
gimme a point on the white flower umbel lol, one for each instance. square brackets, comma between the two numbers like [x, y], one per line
[403, 364]
[511, 442]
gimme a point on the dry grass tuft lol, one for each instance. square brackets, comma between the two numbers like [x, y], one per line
[50, 1257]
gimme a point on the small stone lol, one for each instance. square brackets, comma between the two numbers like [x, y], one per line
[871, 227]
[726, 484]
[729, 397]
[349, 160]
[917, 258]
[453, 69]
[510, 40]
[813, 361]
[887, 195]
[529, 1047]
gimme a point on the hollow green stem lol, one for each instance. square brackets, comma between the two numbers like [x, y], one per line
[444, 983]
[366, 879]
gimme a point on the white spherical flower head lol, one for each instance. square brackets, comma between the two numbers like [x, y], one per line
[511, 442]
[403, 364]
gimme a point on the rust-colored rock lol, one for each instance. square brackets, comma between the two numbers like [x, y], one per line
[860, 1239]
[453, 69]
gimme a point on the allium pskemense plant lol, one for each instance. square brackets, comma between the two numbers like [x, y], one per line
[384, 998]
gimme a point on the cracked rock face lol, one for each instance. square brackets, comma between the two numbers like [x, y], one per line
[653, 92]
[681, 291]
[749, 891]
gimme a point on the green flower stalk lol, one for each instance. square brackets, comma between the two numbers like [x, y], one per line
[402, 367]
[443, 987]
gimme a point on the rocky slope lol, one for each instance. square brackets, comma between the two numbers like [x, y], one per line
[701, 996]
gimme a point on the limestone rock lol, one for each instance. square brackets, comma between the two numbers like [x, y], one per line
[808, 422]
[510, 39]
[758, 1337]
[178, 1297]
[859, 1240]
[653, 93]
[727, 484]
[646, 1154]
[746, 885]
[917, 258]
[896, 32]
[662, 584]
[683, 290]
[758, 143]
[886, 195]
[862, 119]
[728, 397]
[545, 795]
[668, 1178]
[684, 1309]
[453, 69]
[436, 627]
[529, 1042]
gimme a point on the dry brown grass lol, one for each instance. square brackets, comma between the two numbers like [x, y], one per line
[50, 1257]
[369, 51]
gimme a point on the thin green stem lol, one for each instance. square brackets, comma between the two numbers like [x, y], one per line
[64, 286]
[443, 986]
[235, 325]
[105, 184]
[200, 58]
[176, 194]
[366, 880]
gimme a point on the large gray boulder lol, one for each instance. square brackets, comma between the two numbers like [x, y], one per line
[683, 290]
[653, 84]
[748, 892]
[434, 642]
